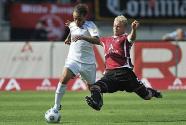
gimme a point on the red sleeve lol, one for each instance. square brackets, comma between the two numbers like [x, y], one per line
[102, 39]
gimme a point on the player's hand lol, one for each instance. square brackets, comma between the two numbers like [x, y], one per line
[68, 41]
[134, 24]
[76, 38]
[68, 23]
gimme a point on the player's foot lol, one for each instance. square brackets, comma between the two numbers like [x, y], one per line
[156, 93]
[59, 108]
[95, 105]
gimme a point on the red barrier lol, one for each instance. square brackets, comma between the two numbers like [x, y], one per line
[78, 84]
[39, 84]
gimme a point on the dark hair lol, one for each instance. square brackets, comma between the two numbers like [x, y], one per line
[81, 9]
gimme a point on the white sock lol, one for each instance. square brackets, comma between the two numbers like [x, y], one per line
[60, 91]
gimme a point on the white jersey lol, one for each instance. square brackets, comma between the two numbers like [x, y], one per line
[81, 50]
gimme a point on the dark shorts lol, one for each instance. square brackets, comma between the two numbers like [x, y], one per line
[123, 79]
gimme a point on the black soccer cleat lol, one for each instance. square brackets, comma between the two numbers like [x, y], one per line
[93, 104]
[156, 93]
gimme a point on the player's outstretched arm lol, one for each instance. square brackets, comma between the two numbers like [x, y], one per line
[93, 40]
[68, 39]
[134, 26]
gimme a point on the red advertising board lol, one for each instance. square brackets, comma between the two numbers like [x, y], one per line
[11, 84]
[27, 15]
[49, 19]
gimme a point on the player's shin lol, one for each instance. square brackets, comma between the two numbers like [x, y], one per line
[60, 91]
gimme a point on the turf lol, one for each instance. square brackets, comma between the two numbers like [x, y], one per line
[28, 108]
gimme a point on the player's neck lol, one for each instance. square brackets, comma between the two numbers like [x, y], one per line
[115, 36]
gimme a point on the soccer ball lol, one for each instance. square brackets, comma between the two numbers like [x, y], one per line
[52, 116]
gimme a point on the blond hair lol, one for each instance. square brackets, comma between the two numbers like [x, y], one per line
[121, 18]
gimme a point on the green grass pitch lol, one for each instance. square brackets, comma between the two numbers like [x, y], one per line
[28, 108]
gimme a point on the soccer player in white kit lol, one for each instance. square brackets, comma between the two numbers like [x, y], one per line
[81, 58]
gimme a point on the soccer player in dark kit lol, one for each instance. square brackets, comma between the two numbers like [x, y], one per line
[119, 75]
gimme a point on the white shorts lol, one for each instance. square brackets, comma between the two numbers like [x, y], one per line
[87, 71]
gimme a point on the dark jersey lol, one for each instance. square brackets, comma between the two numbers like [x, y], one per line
[117, 51]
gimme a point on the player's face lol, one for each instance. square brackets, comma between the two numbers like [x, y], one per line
[118, 28]
[78, 19]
